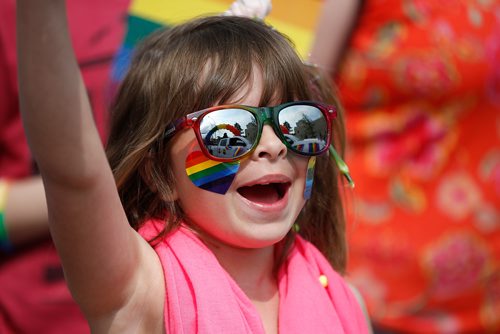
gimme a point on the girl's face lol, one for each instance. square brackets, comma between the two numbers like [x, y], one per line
[265, 197]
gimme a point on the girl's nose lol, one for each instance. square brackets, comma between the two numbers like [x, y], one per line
[269, 146]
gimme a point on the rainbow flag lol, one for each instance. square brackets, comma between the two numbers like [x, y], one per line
[296, 19]
[208, 174]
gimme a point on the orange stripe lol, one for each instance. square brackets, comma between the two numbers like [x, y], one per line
[300, 13]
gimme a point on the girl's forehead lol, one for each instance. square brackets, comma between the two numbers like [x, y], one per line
[259, 80]
[251, 92]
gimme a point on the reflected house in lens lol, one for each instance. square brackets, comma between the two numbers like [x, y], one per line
[305, 128]
[251, 130]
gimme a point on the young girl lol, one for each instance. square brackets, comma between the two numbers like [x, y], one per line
[216, 187]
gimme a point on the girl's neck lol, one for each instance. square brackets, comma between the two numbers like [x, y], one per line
[253, 271]
[250, 268]
[247, 266]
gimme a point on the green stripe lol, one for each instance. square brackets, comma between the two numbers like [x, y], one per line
[138, 28]
[3, 230]
[203, 173]
[4, 239]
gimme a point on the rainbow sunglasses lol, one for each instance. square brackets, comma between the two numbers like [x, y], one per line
[229, 133]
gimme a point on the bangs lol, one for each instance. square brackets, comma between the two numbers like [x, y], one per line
[203, 63]
[224, 54]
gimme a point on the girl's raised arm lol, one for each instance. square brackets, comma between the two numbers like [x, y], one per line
[336, 20]
[103, 257]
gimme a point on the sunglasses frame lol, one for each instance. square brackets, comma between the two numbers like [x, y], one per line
[263, 115]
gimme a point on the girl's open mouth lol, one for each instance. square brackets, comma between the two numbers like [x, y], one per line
[269, 193]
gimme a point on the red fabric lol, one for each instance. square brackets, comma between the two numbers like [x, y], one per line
[420, 84]
[33, 295]
[97, 29]
[15, 159]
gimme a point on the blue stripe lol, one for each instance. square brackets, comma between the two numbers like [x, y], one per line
[121, 63]
[219, 186]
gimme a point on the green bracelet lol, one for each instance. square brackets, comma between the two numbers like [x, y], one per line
[5, 244]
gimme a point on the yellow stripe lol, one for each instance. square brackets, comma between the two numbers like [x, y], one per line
[4, 189]
[201, 166]
[174, 12]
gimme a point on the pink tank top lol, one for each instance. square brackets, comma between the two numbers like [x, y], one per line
[201, 297]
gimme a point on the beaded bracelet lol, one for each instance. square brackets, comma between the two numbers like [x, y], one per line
[5, 244]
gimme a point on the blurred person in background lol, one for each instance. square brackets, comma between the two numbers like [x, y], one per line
[33, 294]
[420, 81]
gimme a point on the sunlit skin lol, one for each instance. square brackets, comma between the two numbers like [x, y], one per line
[231, 218]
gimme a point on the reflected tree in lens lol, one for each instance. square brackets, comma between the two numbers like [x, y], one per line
[238, 127]
[288, 127]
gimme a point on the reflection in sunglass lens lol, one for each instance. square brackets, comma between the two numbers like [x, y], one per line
[229, 133]
[304, 128]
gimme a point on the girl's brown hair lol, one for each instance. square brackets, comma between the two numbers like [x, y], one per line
[196, 65]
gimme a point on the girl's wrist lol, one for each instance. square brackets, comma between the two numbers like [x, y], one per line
[5, 245]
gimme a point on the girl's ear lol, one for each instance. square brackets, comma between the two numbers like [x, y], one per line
[157, 183]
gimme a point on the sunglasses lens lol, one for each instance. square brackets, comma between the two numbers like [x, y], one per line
[305, 128]
[229, 133]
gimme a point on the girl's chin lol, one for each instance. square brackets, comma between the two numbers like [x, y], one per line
[258, 235]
